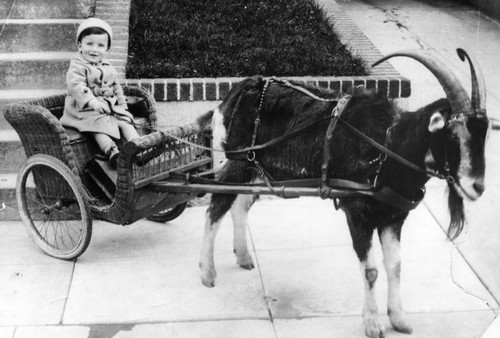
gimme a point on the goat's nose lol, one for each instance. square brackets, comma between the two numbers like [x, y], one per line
[478, 187]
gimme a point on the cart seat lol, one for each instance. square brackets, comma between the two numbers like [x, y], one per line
[76, 136]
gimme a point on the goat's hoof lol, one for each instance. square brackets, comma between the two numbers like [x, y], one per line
[405, 328]
[400, 324]
[245, 262]
[208, 283]
[208, 277]
[374, 329]
[248, 266]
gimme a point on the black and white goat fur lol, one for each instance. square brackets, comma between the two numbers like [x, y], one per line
[448, 133]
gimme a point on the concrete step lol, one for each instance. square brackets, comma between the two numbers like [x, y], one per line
[11, 152]
[34, 70]
[8, 205]
[20, 95]
[20, 36]
[40, 9]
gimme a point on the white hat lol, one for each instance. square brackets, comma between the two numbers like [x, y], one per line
[95, 22]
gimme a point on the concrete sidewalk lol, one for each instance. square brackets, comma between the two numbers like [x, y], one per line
[143, 280]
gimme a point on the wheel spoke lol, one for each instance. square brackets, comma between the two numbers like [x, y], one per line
[55, 210]
[68, 228]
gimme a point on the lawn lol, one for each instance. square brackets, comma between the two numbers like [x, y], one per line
[222, 38]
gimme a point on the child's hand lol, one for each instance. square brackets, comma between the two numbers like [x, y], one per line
[100, 107]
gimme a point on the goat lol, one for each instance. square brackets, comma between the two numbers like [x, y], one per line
[446, 137]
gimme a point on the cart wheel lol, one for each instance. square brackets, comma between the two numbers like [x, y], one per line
[168, 214]
[53, 209]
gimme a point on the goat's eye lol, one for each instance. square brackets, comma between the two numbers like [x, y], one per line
[458, 120]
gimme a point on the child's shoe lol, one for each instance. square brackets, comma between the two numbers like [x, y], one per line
[113, 157]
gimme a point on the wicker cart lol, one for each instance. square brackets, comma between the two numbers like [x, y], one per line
[64, 184]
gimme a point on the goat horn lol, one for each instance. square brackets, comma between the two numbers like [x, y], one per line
[478, 97]
[456, 94]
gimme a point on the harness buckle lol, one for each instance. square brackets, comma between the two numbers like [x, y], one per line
[447, 173]
[251, 156]
[380, 159]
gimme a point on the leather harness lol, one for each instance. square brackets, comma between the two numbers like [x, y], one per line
[325, 184]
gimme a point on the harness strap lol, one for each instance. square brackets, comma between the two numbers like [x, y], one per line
[241, 154]
[287, 83]
[336, 113]
[388, 152]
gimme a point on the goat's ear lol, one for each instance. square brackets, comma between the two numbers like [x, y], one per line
[437, 122]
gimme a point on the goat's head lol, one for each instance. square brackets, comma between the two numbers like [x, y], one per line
[460, 125]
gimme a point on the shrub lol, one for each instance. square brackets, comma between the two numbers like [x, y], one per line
[220, 38]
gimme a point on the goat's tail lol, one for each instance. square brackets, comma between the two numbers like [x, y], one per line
[204, 122]
[230, 102]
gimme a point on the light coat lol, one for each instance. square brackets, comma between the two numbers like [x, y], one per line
[86, 82]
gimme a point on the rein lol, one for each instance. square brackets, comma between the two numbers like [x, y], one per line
[377, 191]
[246, 153]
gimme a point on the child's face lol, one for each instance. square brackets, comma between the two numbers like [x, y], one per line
[93, 47]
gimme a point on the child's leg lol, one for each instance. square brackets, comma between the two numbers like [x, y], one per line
[104, 142]
[108, 147]
[128, 131]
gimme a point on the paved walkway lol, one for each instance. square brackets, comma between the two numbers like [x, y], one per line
[143, 280]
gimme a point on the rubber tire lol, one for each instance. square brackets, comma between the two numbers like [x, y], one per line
[168, 214]
[29, 217]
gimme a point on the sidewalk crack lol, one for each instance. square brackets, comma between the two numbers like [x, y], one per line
[67, 292]
[268, 299]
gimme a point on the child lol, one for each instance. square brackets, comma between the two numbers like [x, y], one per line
[95, 102]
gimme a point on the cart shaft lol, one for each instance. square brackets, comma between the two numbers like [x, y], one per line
[282, 191]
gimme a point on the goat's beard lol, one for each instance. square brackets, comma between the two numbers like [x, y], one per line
[457, 214]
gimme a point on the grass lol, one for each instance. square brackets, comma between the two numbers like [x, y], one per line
[221, 38]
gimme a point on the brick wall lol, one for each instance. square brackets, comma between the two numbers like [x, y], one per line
[116, 13]
[196, 89]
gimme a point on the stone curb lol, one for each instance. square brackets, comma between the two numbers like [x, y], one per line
[351, 36]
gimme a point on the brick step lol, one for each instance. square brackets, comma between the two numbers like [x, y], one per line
[40, 9]
[34, 70]
[21, 36]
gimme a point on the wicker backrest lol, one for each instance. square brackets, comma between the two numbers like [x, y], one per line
[40, 130]
[41, 133]
[149, 102]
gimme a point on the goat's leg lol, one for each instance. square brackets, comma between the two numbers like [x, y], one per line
[373, 327]
[362, 234]
[219, 206]
[391, 247]
[239, 212]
